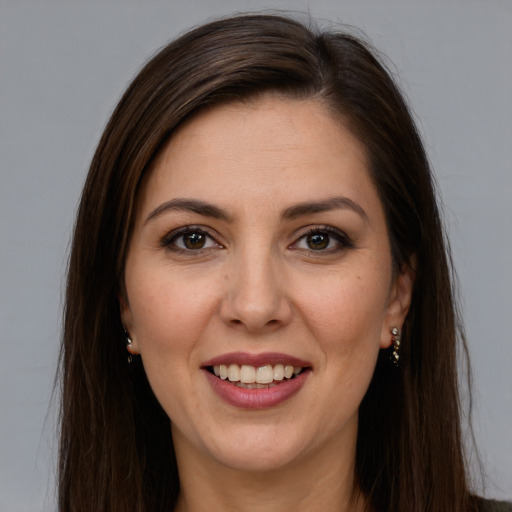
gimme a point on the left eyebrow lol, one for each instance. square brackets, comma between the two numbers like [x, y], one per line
[333, 203]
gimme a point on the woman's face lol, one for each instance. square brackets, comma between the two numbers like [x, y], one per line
[260, 251]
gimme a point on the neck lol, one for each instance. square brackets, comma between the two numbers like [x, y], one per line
[312, 483]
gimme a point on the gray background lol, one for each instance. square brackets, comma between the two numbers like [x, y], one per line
[63, 66]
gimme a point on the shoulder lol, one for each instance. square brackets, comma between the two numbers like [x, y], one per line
[494, 506]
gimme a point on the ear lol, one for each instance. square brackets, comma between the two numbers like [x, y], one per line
[127, 320]
[399, 301]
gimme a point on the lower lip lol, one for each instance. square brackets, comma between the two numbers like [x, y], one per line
[262, 398]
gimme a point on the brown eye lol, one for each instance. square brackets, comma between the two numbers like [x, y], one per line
[323, 239]
[189, 240]
[194, 240]
[318, 241]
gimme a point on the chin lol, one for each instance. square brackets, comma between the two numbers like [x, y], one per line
[258, 461]
[256, 449]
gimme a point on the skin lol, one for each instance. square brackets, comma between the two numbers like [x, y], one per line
[257, 286]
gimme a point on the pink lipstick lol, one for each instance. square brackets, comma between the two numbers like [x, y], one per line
[256, 381]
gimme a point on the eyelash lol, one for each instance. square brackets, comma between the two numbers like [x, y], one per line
[343, 241]
[169, 241]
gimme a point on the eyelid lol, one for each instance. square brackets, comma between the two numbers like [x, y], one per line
[343, 239]
[167, 240]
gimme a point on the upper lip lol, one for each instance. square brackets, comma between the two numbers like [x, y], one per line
[256, 360]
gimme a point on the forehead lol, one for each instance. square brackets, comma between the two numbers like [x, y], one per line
[266, 151]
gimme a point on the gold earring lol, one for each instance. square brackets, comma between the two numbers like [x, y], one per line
[397, 336]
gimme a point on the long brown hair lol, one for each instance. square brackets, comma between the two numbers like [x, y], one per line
[116, 449]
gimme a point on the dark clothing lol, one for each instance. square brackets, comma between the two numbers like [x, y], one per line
[495, 506]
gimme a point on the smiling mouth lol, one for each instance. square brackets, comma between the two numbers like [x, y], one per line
[252, 377]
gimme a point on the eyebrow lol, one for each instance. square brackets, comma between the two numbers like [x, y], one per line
[333, 203]
[299, 210]
[191, 205]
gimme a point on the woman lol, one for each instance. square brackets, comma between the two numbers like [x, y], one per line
[259, 230]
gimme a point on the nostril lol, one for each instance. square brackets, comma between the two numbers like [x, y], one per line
[269, 323]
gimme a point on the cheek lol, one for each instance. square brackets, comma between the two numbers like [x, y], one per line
[345, 310]
[345, 315]
[168, 312]
[169, 316]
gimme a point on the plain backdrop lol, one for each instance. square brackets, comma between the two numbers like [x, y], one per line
[63, 66]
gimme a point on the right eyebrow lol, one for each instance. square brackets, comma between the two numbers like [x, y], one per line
[191, 205]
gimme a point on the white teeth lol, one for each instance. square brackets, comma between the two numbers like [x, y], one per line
[234, 372]
[247, 374]
[278, 372]
[288, 371]
[264, 374]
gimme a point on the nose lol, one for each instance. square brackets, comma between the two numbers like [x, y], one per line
[255, 298]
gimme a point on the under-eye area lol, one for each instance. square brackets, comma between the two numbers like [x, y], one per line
[252, 377]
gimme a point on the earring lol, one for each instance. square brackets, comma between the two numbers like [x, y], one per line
[129, 347]
[397, 335]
